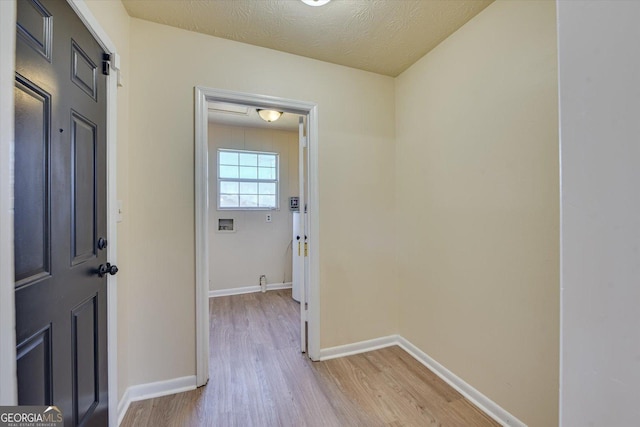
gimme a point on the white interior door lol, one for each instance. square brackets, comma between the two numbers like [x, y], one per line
[302, 242]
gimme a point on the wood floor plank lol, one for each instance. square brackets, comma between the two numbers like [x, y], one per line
[258, 377]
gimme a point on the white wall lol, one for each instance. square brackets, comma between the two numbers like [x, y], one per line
[478, 206]
[599, 61]
[256, 247]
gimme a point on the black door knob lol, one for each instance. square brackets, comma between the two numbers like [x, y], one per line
[113, 269]
[107, 268]
[103, 269]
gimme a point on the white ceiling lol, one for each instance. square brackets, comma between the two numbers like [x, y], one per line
[381, 36]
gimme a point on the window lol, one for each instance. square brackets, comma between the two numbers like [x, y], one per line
[247, 180]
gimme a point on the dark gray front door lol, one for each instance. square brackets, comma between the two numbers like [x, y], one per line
[60, 214]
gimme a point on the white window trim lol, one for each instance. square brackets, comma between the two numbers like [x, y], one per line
[274, 181]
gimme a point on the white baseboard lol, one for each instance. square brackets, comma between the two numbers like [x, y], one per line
[123, 406]
[248, 289]
[485, 404]
[357, 347]
[151, 390]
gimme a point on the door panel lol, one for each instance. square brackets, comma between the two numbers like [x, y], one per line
[34, 367]
[35, 27]
[60, 211]
[86, 364]
[83, 225]
[33, 114]
[84, 72]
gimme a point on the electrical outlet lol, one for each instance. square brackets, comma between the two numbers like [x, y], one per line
[268, 218]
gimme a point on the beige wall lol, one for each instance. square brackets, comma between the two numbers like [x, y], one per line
[356, 134]
[256, 247]
[478, 197]
[468, 153]
[115, 21]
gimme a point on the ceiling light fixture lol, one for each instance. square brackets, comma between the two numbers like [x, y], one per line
[316, 2]
[269, 115]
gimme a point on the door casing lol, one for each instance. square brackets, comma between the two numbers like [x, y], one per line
[203, 96]
[8, 393]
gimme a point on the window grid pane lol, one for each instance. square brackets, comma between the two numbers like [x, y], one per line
[267, 160]
[228, 158]
[248, 172]
[267, 188]
[267, 173]
[228, 201]
[228, 171]
[248, 160]
[248, 188]
[228, 187]
[266, 201]
[249, 200]
[247, 180]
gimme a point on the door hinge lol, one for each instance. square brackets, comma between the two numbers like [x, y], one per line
[304, 141]
[106, 63]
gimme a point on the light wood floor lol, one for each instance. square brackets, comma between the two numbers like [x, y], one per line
[259, 378]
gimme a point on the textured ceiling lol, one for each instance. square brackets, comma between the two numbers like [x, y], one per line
[382, 36]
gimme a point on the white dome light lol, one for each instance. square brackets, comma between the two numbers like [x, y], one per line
[315, 2]
[269, 115]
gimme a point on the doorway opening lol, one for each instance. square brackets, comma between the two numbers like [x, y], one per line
[308, 197]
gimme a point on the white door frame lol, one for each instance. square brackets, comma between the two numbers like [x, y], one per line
[8, 394]
[203, 96]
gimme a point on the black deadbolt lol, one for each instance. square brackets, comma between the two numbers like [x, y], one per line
[102, 243]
